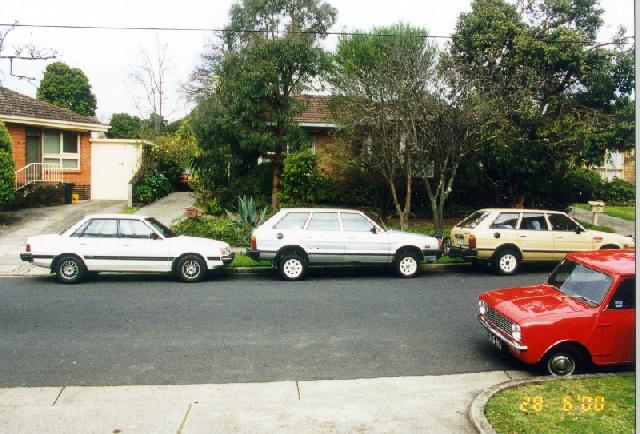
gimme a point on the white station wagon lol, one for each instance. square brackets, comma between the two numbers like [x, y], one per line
[124, 243]
[295, 238]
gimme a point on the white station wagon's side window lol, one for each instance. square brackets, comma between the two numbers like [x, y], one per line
[355, 222]
[134, 229]
[293, 220]
[324, 221]
[101, 228]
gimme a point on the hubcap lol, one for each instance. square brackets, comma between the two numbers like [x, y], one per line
[69, 269]
[508, 263]
[292, 268]
[408, 266]
[561, 365]
[191, 269]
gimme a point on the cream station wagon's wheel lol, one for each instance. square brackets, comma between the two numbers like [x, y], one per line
[506, 261]
[407, 265]
[69, 269]
[191, 268]
[292, 267]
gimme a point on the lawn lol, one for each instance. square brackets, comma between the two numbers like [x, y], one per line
[130, 210]
[601, 228]
[242, 260]
[623, 212]
[594, 405]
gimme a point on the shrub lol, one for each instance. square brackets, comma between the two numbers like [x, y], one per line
[302, 182]
[7, 167]
[248, 212]
[153, 187]
[234, 233]
[618, 192]
[580, 186]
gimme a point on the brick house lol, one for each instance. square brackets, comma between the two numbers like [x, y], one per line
[49, 139]
[316, 121]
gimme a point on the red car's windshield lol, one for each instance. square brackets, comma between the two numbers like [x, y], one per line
[580, 282]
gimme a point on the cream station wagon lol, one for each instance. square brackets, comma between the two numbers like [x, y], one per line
[506, 237]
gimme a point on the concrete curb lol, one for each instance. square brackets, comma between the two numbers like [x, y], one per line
[259, 270]
[479, 404]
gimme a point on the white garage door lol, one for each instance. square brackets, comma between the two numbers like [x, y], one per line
[112, 166]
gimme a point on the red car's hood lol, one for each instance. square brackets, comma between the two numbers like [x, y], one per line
[529, 301]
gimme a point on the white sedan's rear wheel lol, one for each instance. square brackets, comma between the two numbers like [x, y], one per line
[69, 269]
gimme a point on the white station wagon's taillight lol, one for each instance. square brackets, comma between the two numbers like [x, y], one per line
[28, 249]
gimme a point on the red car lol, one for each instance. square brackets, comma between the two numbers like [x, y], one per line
[585, 313]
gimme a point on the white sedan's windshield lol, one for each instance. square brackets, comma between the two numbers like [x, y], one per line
[581, 282]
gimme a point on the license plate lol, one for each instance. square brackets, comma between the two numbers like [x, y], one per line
[495, 341]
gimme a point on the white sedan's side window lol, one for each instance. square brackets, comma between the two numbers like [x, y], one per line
[134, 229]
[102, 228]
[355, 222]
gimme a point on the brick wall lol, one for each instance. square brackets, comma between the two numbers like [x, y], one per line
[18, 137]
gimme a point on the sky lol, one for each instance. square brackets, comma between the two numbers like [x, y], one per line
[108, 57]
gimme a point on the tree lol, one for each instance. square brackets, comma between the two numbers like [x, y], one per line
[124, 126]
[557, 97]
[68, 88]
[150, 76]
[381, 83]
[7, 167]
[274, 56]
[22, 52]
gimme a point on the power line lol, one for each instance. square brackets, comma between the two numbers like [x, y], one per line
[300, 32]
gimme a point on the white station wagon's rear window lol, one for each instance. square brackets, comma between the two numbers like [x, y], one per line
[293, 220]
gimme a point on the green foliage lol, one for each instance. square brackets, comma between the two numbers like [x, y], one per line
[68, 88]
[7, 167]
[555, 105]
[248, 212]
[153, 186]
[234, 233]
[124, 126]
[257, 79]
[302, 182]
[618, 192]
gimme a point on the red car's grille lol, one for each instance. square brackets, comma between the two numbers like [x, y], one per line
[498, 319]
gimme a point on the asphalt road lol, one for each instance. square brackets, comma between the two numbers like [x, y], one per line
[136, 329]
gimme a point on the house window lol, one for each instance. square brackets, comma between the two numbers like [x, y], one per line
[61, 149]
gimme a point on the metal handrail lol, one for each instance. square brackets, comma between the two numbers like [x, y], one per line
[38, 172]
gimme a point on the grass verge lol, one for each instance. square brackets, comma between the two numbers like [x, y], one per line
[624, 212]
[594, 405]
[242, 260]
[601, 228]
[130, 210]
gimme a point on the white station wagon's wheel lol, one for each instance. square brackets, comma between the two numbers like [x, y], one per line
[191, 268]
[69, 269]
[292, 266]
[407, 265]
[506, 261]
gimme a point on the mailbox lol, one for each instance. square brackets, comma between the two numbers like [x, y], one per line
[597, 207]
[193, 212]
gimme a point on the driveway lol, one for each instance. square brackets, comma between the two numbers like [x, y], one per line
[16, 226]
[169, 208]
[621, 226]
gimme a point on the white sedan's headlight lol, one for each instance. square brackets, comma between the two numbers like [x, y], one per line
[482, 307]
[515, 332]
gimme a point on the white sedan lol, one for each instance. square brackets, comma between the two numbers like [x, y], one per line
[125, 243]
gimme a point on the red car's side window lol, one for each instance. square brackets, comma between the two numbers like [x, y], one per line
[625, 296]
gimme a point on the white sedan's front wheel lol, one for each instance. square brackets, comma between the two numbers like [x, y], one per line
[191, 268]
[407, 265]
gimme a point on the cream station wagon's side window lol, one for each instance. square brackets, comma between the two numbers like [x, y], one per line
[506, 220]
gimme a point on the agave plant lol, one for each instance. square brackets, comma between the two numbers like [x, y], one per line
[248, 212]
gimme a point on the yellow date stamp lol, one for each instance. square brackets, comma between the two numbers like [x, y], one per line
[569, 403]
